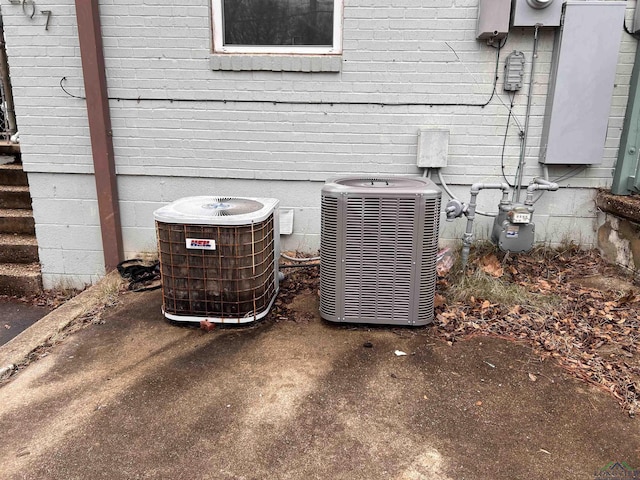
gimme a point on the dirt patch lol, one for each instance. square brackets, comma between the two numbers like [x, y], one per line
[607, 284]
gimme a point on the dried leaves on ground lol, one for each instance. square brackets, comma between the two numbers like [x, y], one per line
[51, 299]
[301, 277]
[593, 333]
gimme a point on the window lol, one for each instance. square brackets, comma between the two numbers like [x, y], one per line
[277, 26]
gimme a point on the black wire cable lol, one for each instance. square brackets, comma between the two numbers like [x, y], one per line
[504, 140]
[307, 102]
[142, 276]
[626, 29]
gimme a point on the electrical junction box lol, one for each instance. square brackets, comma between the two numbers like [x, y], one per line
[514, 71]
[513, 230]
[286, 221]
[493, 19]
[433, 148]
[529, 13]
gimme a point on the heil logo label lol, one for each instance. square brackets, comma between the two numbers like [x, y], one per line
[200, 244]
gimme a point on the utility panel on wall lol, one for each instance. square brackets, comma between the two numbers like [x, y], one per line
[529, 13]
[493, 19]
[581, 83]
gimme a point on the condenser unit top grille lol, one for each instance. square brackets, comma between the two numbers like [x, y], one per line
[380, 185]
[206, 210]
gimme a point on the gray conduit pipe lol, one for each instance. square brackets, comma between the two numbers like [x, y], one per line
[539, 184]
[467, 239]
[523, 145]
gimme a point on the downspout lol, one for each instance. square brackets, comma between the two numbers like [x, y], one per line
[95, 85]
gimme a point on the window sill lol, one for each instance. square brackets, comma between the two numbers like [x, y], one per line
[275, 63]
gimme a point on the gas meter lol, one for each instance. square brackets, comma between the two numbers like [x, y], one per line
[513, 230]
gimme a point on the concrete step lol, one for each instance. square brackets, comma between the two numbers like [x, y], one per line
[10, 149]
[20, 279]
[17, 221]
[15, 197]
[18, 248]
[12, 174]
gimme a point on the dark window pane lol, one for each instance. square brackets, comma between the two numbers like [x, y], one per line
[278, 22]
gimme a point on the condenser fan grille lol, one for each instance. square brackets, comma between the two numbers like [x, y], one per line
[235, 279]
[228, 206]
[379, 254]
[388, 183]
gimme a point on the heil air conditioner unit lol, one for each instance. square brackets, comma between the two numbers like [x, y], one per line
[218, 258]
[379, 242]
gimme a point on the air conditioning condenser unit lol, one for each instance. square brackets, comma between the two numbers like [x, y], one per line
[218, 258]
[379, 243]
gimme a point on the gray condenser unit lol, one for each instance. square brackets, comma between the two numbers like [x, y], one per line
[379, 242]
[218, 258]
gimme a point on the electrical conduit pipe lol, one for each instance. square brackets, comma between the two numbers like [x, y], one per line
[539, 184]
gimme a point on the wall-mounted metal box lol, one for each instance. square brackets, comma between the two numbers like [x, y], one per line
[514, 71]
[493, 19]
[433, 147]
[581, 83]
[529, 13]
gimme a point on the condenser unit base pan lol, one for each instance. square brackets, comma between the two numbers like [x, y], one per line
[236, 320]
[379, 321]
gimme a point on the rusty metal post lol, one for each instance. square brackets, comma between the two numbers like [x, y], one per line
[95, 85]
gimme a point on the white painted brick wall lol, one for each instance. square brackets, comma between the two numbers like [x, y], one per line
[406, 51]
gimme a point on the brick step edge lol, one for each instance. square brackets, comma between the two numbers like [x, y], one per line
[18, 253]
[12, 174]
[21, 224]
[12, 197]
[20, 279]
